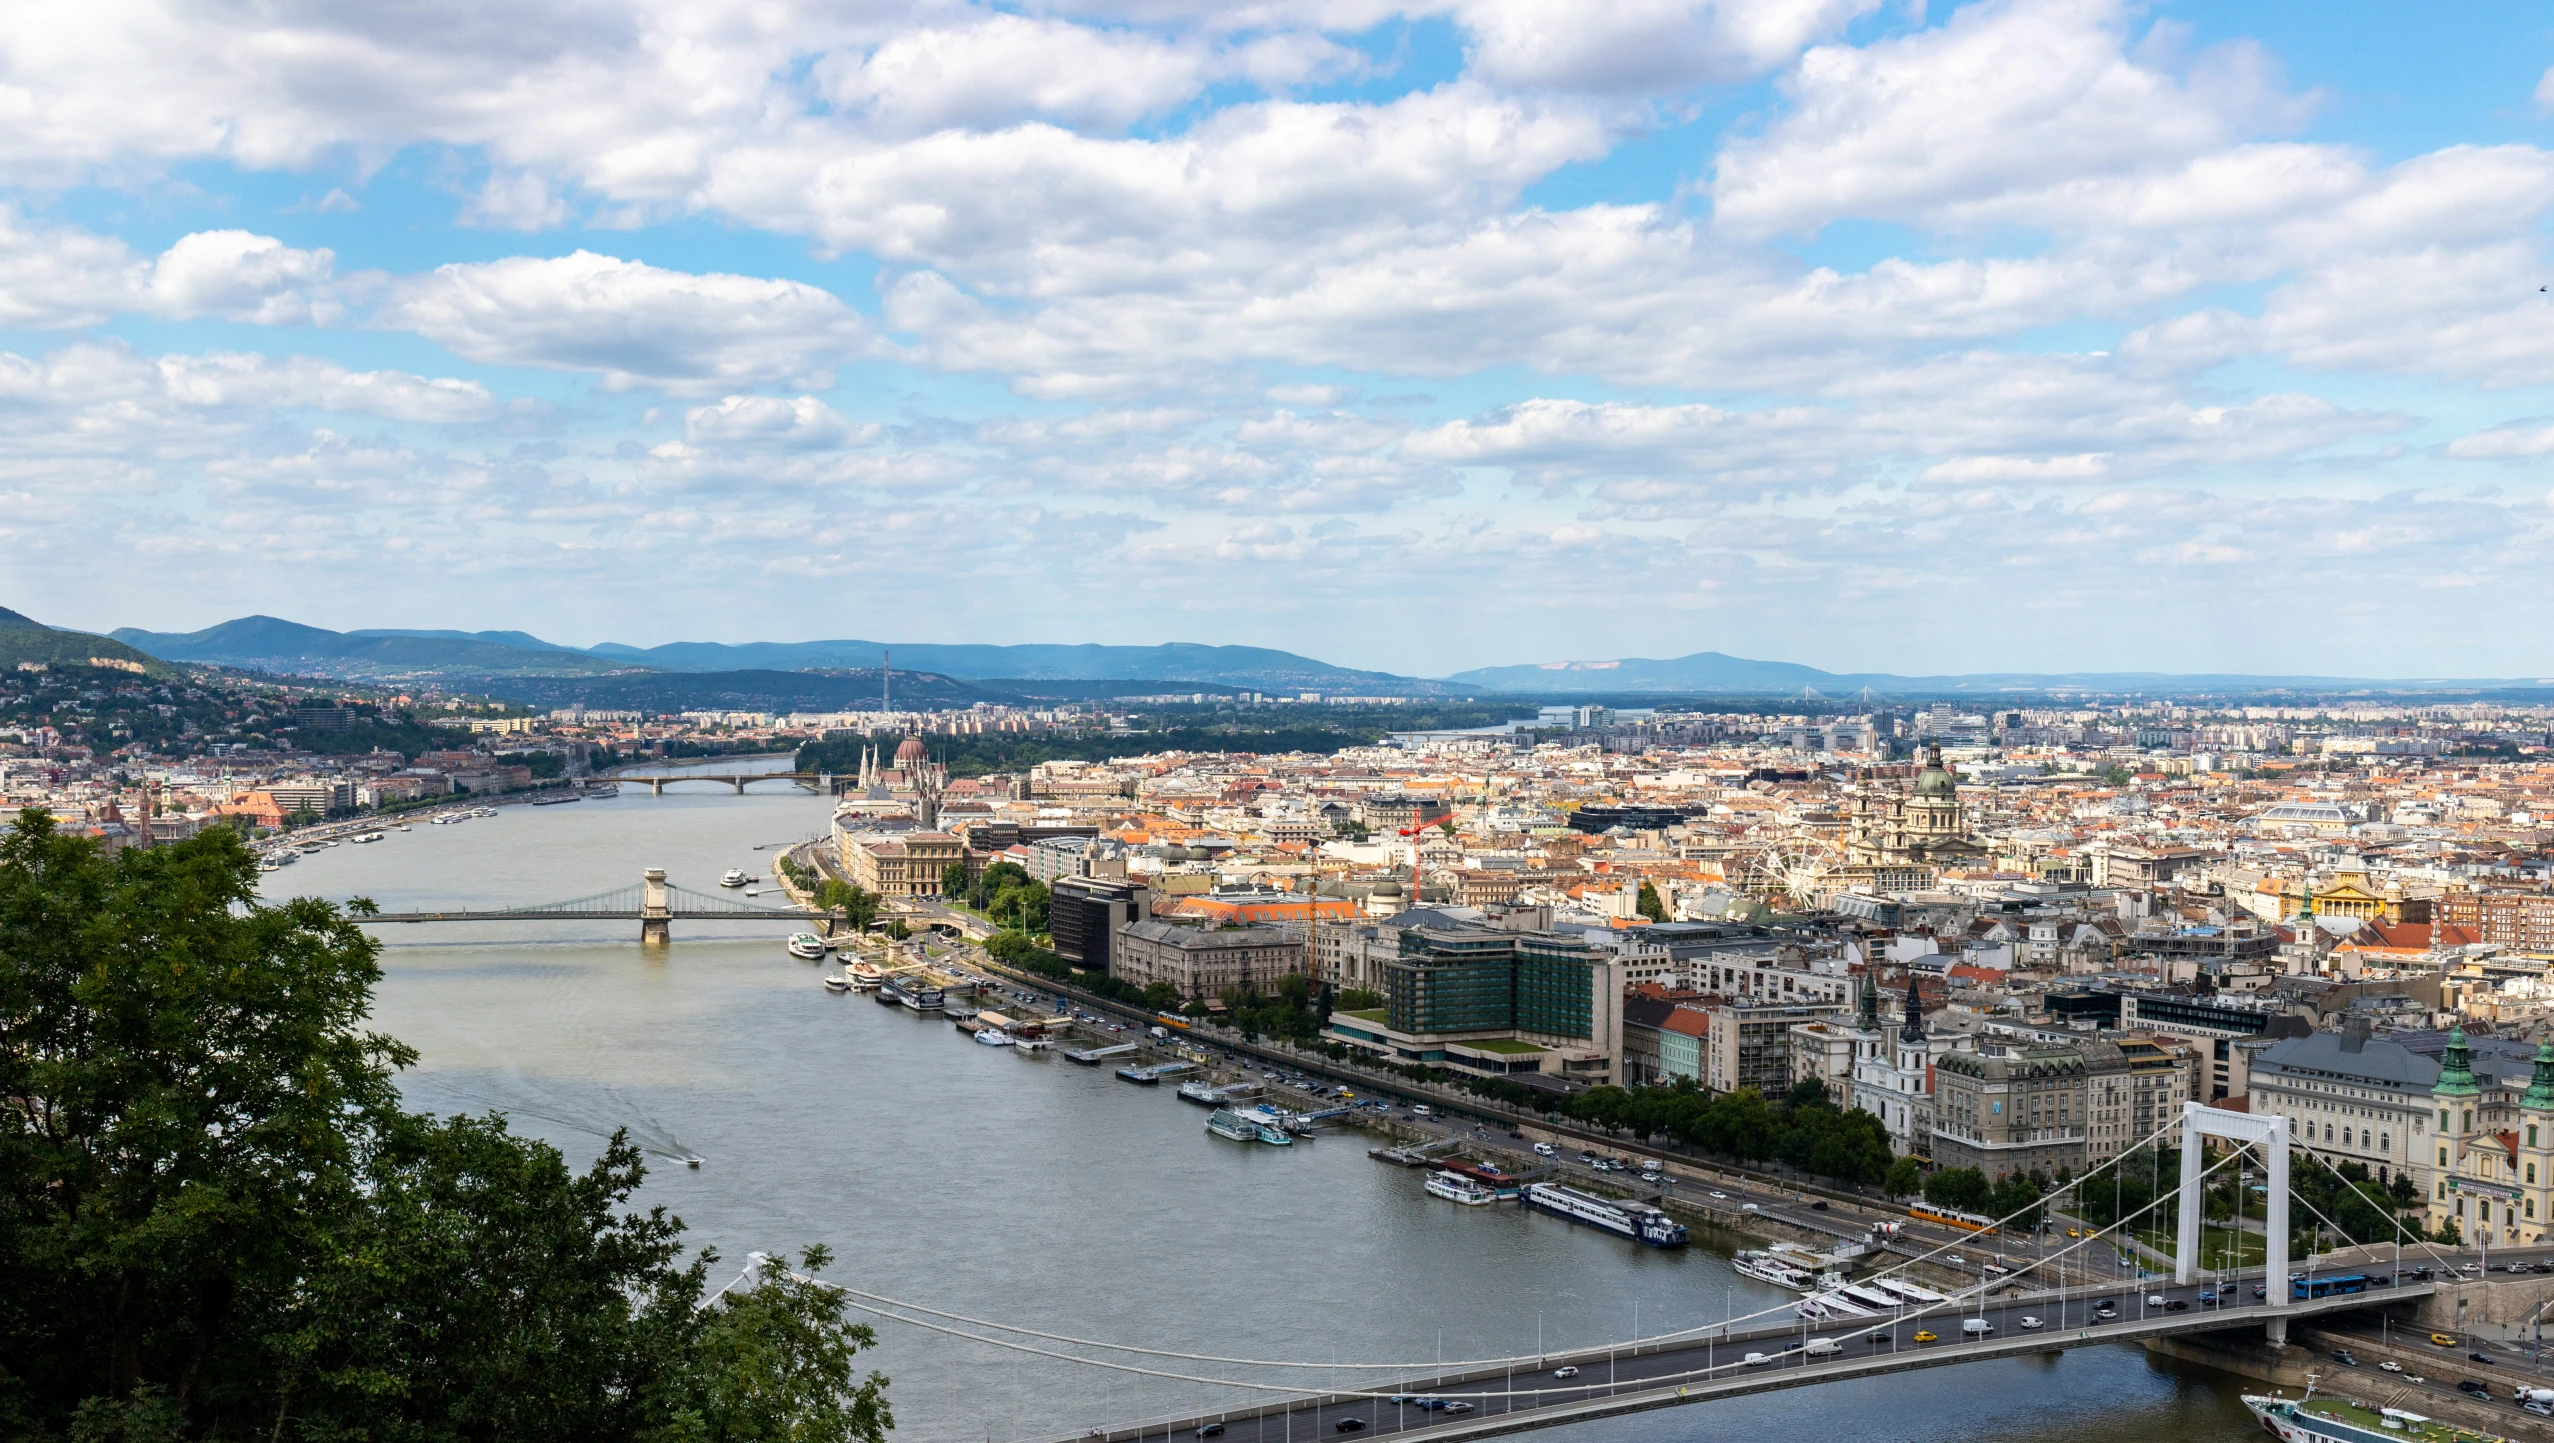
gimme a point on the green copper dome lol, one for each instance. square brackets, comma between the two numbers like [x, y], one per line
[2539, 1096]
[1935, 780]
[2456, 1069]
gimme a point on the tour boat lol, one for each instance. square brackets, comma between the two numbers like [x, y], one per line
[1637, 1221]
[834, 983]
[1455, 1187]
[484, 812]
[993, 1037]
[733, 878]
[2333, 1420]
[1032, 1046]
[807, 947]
[1767, 1267]
[1233, 1126]
[865, 975]
[923, 997]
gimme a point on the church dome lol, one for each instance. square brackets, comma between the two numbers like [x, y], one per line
[912, 753]
[1388, 889]
[1935, 780]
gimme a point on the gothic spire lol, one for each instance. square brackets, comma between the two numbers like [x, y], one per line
[1867, 1010]
[1913, 1031]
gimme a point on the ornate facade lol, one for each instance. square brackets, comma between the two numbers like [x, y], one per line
[1919, 825]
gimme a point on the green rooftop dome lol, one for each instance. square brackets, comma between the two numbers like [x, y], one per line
[1935, 780]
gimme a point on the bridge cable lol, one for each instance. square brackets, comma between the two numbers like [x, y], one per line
[1658, 1380]
[879, 1304]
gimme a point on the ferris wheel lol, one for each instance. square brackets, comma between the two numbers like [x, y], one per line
[1791, 872]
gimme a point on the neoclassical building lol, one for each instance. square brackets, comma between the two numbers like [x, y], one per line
[1920, 825]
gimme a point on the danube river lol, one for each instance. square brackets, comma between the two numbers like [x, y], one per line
[1041, 1194]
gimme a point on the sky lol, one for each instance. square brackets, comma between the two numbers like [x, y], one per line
[2022, 334]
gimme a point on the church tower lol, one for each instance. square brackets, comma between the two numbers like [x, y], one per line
[2455, 1095]
[2536, 1147]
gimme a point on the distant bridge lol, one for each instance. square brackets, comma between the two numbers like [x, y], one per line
[654, 903]
[821, 781]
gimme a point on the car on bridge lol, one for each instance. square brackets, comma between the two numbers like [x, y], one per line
[2443, 1340]
[1349, 1425]
[1926, 1335]
[1569, 1372]
[1758, 1360]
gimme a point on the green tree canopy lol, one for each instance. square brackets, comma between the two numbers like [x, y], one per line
[216, 1220]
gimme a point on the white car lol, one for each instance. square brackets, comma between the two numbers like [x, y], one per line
[1724, 1197]
[1570, 1372]
[2390, 1366]
[2156, 1300]
[1758, 1360]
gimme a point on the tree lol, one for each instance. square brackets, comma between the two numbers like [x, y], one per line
[1161, 996]
[953, 880]
[1964, 1188]
[216, 1221]
[1649, 904]
[1905, 1178]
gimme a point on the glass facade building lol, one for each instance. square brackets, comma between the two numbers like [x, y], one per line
[1480, 980]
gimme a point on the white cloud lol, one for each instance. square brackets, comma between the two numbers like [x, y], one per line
[2505, 443]
[770, 423]
[516, 200]
[998, 70]
[635, 324]
[231, 379]
[2009, 96]
[1642, 46]
[238, 276]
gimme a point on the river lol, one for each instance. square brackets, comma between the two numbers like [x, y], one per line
[1038, 1193]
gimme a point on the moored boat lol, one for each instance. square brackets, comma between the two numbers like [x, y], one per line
[1232, 1125]
[865, 976]
[733, 877]
[923, 997]
[993, 1037]
[1637, 1221]
[834, 983]
[2333, 1420]
[807, 947]
[1455, 1187]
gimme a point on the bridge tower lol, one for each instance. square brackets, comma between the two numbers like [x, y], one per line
[656, 912]
[2200, 1122]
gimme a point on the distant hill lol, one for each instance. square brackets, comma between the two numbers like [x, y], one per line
[1712, 672]
[23, 638]
[520, 640]
[1241, 666]
[743, 690]
[266, 643]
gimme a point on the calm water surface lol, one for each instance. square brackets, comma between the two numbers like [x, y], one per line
[1038, 1193]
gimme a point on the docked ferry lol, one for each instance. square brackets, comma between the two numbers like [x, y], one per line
[865, 976]
[1637, 1221]
[1232, 1126]
[806, 947]
[923, 997]
[1767, 1268]
[1455, 1187]
[2331, 1420]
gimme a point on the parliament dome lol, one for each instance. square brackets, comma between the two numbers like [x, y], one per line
[912, 753]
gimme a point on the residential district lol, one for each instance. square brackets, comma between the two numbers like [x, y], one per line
[2019, 939]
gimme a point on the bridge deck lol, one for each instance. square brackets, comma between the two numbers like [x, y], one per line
[537, 914]
[1666, 1376]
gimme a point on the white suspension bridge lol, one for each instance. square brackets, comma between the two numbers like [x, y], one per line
[2055, 1303]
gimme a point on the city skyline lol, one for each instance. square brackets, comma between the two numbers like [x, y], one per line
[2034, 335]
